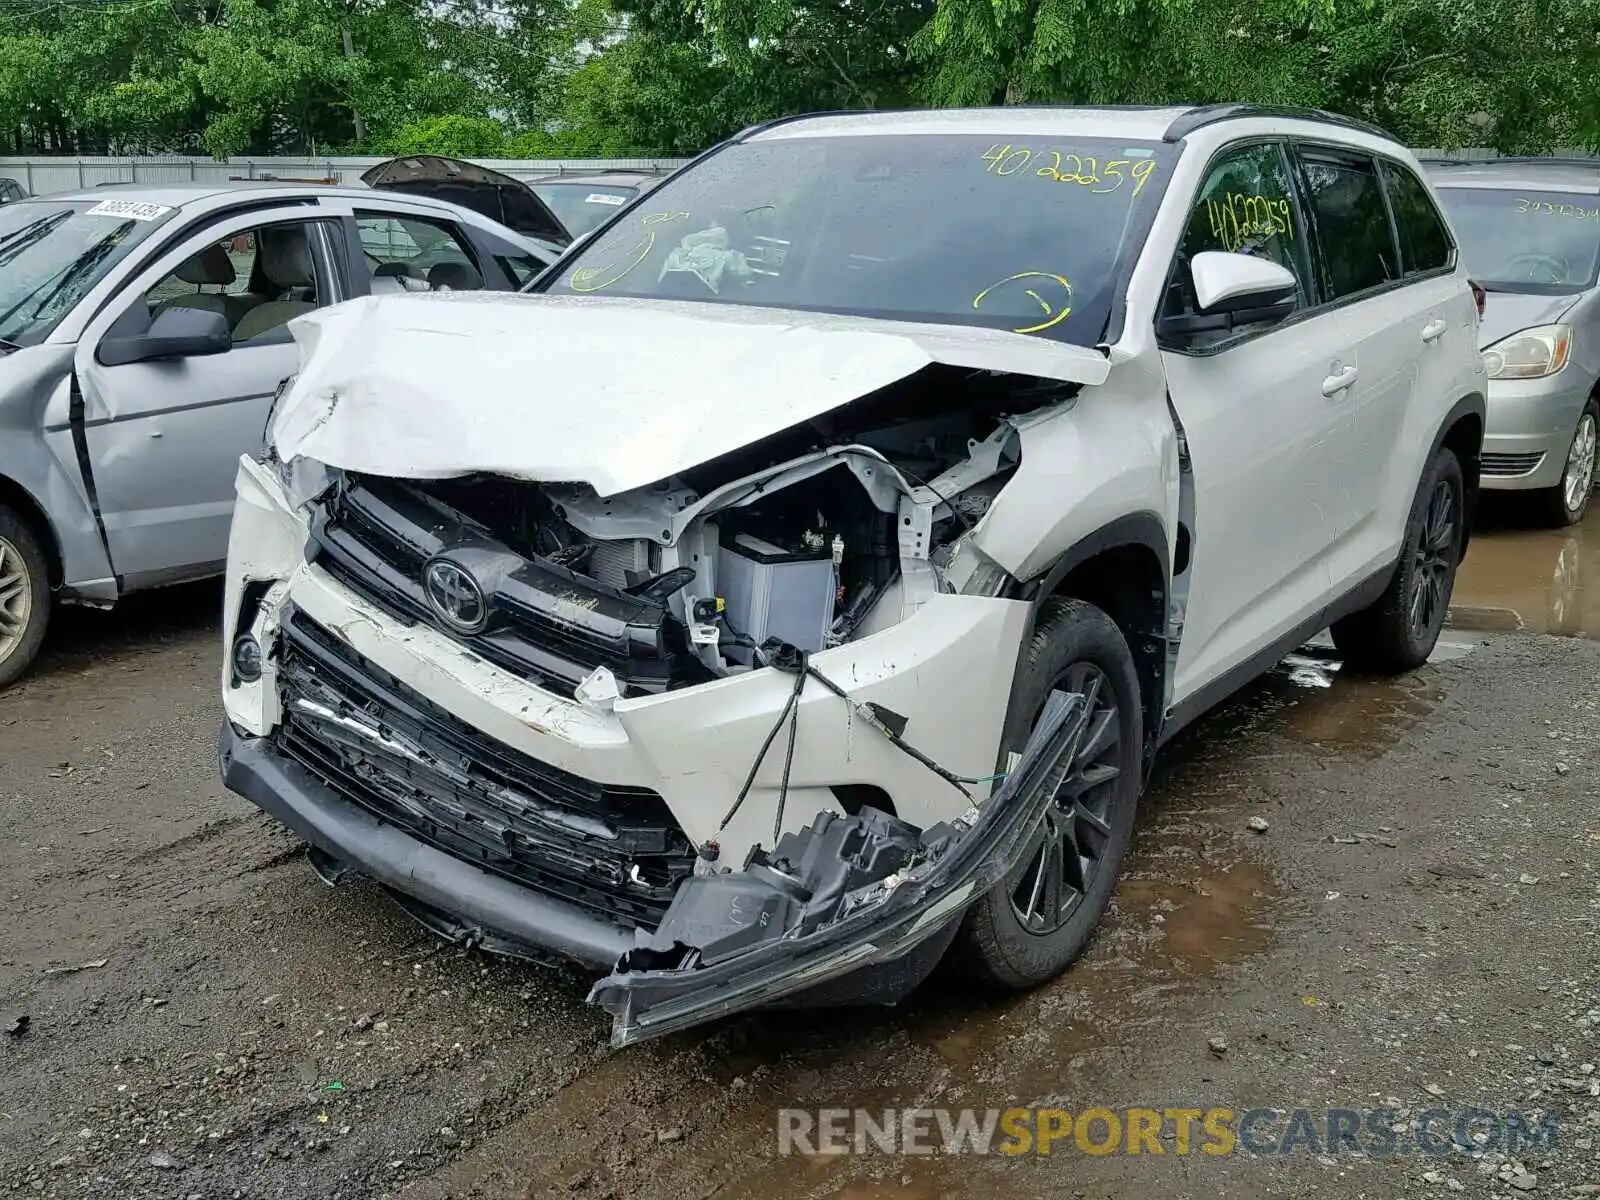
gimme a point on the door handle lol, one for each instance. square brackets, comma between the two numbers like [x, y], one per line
[1433, 330]
[1341, 381]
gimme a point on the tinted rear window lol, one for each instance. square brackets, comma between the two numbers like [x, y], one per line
[1352, 221]
[1425, 243]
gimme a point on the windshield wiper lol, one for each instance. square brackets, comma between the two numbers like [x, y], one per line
[74, 271]
[19, 240]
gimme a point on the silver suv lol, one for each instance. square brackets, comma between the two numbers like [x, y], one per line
[1530, 230]
[799, 583]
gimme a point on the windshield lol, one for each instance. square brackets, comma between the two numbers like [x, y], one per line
[1029, 234]
[1540, 242]
[52, 252]
[582, 206]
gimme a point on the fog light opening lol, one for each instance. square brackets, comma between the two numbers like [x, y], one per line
[246, 660]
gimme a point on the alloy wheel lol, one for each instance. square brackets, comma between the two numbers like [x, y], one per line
[1076, 829]
[16, 598]
[1434, 561]
[1577, 481]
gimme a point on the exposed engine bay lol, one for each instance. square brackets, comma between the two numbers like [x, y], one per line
[815, 536]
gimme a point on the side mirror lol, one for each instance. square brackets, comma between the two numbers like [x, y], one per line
[175, 333]
[1234, 289]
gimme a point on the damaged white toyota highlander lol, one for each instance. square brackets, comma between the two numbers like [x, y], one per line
[796, 586]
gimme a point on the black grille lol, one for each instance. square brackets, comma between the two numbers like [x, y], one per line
[1509, 464]
[548, 624]
[615, 852]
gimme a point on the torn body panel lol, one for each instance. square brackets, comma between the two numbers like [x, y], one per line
[843, 896]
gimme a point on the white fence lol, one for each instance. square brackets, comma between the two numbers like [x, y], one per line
[43, 175]
[1473, 154]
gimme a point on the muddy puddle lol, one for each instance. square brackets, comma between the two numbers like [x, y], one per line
[1193, 901]
[1522, 580]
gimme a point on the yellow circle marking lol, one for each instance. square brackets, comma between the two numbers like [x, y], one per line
[1053, 315]
[594, 279]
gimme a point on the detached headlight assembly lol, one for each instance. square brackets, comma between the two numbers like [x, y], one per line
[974, 573]
[1530, 354]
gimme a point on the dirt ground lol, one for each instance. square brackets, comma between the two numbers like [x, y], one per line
[186, 1012]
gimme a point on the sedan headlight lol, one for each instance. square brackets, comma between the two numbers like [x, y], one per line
[1531, 354]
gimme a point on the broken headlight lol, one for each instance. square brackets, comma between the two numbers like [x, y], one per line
[973, 573]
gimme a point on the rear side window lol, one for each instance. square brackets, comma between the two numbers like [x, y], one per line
[1346, 202]
[1425, 243]
[417, 253]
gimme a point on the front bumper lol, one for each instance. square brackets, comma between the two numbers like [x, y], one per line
[492, 911]
[1529, 431]
[474, 795]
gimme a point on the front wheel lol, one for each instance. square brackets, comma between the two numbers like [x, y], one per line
[1399, 630]
[24, 596]
[1033, 924]
[1566, 503]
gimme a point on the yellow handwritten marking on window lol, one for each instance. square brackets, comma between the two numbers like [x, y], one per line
[1058, 166]
[596, 279]
[1051, 292]
[1548, 209]
[1236, 217]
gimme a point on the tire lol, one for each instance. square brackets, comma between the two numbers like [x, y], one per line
[24, 596]
[998, 942]
[1398, 631]
[1567, 502]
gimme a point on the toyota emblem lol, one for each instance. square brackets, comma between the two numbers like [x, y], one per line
[455, 596]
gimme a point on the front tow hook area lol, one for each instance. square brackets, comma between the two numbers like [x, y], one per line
[838, 899]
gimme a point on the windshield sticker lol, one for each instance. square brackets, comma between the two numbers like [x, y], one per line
[132, 210]
[604, 198]
[1051, 292]
[1545, 208]
[1058, 167]
[708, 256]
[1238, 218]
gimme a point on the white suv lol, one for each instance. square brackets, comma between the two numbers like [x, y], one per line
[799, 583]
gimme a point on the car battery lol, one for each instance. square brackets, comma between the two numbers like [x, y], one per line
[776, 591]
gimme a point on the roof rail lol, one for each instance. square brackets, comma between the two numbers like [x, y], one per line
[1210, 114]
[762, 126]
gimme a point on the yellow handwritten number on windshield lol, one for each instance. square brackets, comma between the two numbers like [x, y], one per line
[1060, 167]
[1052, 293]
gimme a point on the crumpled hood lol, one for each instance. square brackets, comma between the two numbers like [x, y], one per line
[611, 392]
[1505, 313]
